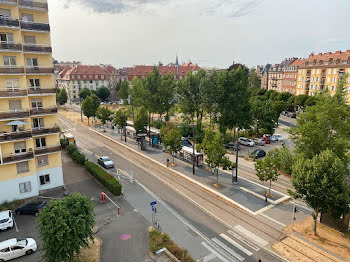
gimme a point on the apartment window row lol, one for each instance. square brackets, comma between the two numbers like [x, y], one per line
[11, 61]
[13, 83]
[78, 77]
[26, 187]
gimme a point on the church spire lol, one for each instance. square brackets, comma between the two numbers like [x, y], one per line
[177, 61]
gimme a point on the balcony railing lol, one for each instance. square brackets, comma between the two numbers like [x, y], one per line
[4, 137]
[37, 48]
[35, 26]
[40, 90]
[39, 70]
[15, 158]
[14, 114]
[40, 111]
[8, 2]
[47, 150]
[13, 93]
[36, 5]
[10, 46]
[8, 22]
[11, 70]
[43, 130]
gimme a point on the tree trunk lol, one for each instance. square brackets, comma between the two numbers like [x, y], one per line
[315, 222]
[217, 176]
[270, 188]
[149, 127]
[210, 119]
[194, 142]
[237, 156]
[173, 158]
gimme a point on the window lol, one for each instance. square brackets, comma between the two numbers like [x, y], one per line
[38, 122]
[25, 187]
[37, 103]
[90, 77]
[317, 79]
[334, 80]
[72, 77]
[43, 160]
[45, 179]
[32, 62]
[22, 167]
[102, 77]
[9, 61]
[12, 84]
[334, 71]
[318, 71]
[34, 83]
[329, 71]
[27, 18]
[333, 88]
[40, 142]
[79, 77]
[96, 77]
[6, 38]
[29, 39]
[84, 77]
[5, 13]
[328, 80]
[15, 105]
[313, 71]
[313, 79]
[20, 147]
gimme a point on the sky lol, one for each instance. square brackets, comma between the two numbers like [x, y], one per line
[211, 33]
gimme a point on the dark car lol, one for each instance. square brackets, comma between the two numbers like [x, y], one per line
[105, 162]
[32, 208]
[232, 146]
[186, 142]
[258, 153]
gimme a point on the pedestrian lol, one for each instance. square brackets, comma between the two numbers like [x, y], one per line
[122, 191]
[167, 162]
[259, 260]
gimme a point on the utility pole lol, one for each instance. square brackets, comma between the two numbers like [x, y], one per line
[124, 125]
[193, 150]
[236, 178]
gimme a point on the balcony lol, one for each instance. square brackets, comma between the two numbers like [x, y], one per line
[13, 93]
[11, 70]
[43, 130]
[32, 91]
[5, 137]
[10, 47]
[43, 111]
[33, 5]
[33, 48]
[39, 27]
[8, 2]
[14, 114]
[47, 150]
[16, 158]
[9, 22]
[39, 70]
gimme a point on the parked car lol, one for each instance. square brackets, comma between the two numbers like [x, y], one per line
[245, 141]
[278, 137]
[259, 141]
[272, 139]
[32, 208]
[105, 162]
[232, 146]
[14, 248]
[186, 142]
[258, 153]
[6, 220]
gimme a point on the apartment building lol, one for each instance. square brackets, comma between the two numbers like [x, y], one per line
[74, 78]
[290, 75]
[30, 153]
[275, 75]
[323, 70]
[263, 73]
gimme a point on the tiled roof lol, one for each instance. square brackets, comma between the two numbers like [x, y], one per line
[298, 62]
[87, 70]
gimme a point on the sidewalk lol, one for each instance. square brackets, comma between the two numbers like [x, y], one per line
[245, 193]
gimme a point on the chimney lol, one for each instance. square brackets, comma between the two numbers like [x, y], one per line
[319, 53]
[338, 52]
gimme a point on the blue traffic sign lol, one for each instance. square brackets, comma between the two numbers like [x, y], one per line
[153, 203]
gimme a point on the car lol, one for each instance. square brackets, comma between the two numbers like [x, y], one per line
[31, 208]
[291, 114]
[105, 162]
[186, 142]
[284, 113]
[278, 137]
[232, 146]
[259, 141]
[246, 142]
[272, 139]
[6, 220]
[258, 153]
[14, 248]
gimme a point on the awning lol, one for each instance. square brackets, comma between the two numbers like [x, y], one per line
[16, 123]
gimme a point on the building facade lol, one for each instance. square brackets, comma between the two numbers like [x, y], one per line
[324, 70]
[263, 73]
[275, 75]
[30, 153]
[75, 78]
[290, 76]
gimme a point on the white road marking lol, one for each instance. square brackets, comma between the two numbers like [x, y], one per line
[214, 252]
[244, 240]
[234, 243]
[251, 235]
[263, 209]
[228, 249]
[208, 257]
[273, 220]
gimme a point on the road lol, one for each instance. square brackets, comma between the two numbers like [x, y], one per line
[211, 216]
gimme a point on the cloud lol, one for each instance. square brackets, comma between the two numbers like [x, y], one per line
[226, 8]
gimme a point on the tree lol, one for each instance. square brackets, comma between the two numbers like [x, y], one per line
[321, 183]
[209, 96]
[300, 100]
[283, 159]
[123, 92]
[84, 93]
[62, 97]
[263, 114]
[120, 119]
[254, 80]
[324, 126]
[95, 102]
[266, 170]
[284, 96]
[166, 94]
[104, 114]
[65, 226]
[279, 106]
[90, 106]
[103, 93]
[213, 147]
[173, 140]
[140, 120]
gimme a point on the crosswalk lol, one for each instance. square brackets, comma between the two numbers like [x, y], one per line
[235, 245]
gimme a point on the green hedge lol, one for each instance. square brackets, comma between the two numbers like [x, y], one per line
[76, 155]
[104, 178]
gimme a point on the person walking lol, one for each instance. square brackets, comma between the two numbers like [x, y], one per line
[167, 162]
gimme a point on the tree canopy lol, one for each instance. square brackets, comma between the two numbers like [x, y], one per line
[104, 114]
[124, 90]
[266, 170]
[103, 93]
[84, 93]
[172, 138]
[61, 96]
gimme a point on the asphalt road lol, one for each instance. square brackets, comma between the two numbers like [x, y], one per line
[190, 202]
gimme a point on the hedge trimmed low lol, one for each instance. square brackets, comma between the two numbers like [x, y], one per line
[76, 155]
[104, 178]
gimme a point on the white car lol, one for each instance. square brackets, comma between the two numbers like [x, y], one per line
[246, 142]
[278, 137]
[14, 248]
[6, 220]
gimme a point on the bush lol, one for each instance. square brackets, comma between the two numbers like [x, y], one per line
[78, 157]
[157, 124]
[283, 159]
[104, 178]
[64, 143]
[71, 149]
[185, 130]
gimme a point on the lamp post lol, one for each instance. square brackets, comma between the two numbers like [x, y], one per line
[235, 180]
